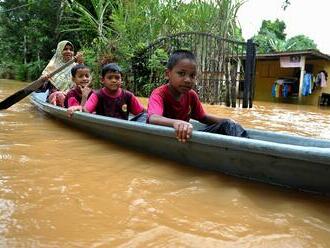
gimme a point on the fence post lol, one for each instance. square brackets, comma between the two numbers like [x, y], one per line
[249, 67]
[253, 73]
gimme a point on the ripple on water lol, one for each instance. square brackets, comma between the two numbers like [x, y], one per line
[18, 159]
[7, 208]
[163, 236]
[23, 159]
[317, 223]
[5, 156]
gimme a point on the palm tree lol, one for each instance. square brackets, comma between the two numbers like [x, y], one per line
[91, 20]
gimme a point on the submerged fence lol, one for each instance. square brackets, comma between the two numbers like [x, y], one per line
[226, 68]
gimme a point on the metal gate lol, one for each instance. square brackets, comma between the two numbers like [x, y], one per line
[226, 67]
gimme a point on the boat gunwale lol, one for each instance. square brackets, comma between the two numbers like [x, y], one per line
[298, 152]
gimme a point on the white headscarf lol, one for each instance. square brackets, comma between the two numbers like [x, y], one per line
[62, 80]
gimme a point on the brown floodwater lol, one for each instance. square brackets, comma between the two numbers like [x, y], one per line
[60, 187]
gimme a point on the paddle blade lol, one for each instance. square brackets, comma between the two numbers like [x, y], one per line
[19, 95]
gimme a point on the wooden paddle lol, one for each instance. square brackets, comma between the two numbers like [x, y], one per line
[19, 95]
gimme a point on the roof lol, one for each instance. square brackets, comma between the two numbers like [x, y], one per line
[310, 54]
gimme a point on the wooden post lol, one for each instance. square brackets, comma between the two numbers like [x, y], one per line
[238, 76]
[249, 67]
[301, 79]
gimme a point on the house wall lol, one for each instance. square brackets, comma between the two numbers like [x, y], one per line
[267, 71]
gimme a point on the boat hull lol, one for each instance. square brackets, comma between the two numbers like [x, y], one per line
[279, 159]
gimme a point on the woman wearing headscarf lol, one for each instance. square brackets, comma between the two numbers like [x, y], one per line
[61, 82]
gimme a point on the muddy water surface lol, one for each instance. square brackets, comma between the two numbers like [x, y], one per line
[60, 187]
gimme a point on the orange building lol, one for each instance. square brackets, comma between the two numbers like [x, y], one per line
[281, 77]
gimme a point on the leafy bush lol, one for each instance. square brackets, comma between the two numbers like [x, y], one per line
[7, 71]
[157, 66]
[35, 69]
[21, 71]
[147, 89]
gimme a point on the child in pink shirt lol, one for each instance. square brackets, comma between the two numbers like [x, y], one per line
[76, 98]
[112, 100]
[174, 103]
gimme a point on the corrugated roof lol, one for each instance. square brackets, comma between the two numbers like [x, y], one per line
[310, 54]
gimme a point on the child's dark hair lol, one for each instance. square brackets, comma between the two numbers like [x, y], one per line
[111, 67]
[179, 55]
[76, 68]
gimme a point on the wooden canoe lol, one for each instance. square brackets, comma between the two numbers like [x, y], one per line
[279, 159]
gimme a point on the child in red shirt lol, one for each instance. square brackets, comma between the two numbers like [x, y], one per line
[112, 100]
[76, 98]
[174, 103]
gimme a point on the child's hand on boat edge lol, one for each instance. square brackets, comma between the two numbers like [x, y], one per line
[183, 130]
[72, 109]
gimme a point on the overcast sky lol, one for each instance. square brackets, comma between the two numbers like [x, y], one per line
[307, 17]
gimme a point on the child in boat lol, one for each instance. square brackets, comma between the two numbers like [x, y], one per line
[112, 100]
[174, 103]
[76, 98]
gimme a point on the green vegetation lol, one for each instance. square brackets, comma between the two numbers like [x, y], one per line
[27, 35]
[271, 38]
[105, 30]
